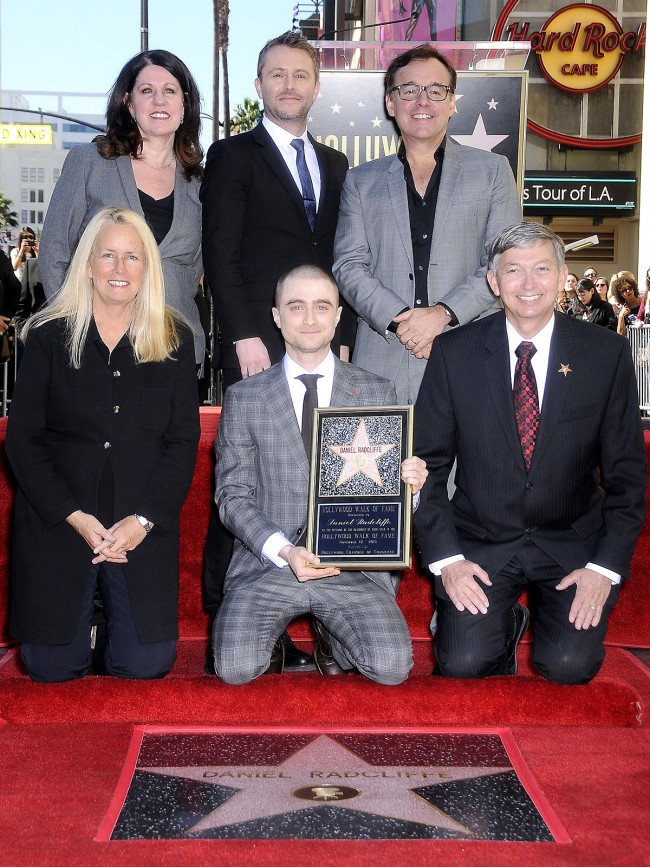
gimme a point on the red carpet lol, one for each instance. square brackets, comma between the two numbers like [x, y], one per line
[612, 699]
[58, 781]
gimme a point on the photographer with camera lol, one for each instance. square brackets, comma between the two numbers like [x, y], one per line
[26, 248]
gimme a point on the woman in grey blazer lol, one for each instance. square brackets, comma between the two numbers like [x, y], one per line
[149, 160]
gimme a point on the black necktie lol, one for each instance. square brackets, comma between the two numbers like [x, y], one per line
[308, 196]
[309, 405]
[524, 395]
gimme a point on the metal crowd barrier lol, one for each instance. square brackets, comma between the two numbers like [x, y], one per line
[640, 345]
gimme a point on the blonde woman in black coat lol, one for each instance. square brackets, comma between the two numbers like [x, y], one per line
[102, 439]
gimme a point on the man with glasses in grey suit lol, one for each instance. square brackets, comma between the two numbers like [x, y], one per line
[262, 482]
[411, 243]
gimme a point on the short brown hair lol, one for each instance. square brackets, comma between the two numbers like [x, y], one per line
[290, 39]
[304, 272]
[420, 52]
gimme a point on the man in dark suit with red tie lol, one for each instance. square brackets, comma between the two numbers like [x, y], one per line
[542, 417]
[270, 203]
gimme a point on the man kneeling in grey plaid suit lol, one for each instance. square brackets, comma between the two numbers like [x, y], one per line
[262, 482]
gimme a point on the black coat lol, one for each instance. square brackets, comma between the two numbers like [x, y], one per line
[9, 287]
[255, 230]
[67, 428]
[601, 313]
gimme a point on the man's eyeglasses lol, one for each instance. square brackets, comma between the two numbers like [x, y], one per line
[411, 92]
[589, 275]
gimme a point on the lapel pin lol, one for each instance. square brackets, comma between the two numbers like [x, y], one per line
[565, 369]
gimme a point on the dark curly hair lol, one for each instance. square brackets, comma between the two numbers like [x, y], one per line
[123, 137]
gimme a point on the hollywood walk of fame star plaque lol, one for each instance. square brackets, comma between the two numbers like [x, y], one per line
[311, 784]
[359, 507]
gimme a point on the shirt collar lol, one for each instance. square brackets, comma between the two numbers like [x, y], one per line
[401, 153]
[280, 136]
[325, 368]
[541, 341]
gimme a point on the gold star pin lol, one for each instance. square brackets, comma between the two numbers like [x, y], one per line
[565, 369]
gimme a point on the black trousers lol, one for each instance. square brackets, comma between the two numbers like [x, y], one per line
[125, 655]
[474, 645]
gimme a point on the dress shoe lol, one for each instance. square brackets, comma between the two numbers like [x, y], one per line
[276, 663]
[98, 642]
[521, 616]
[323, 657]
[208, 665]
[294, 658]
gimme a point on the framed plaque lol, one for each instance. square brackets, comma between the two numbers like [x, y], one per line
[359, 507]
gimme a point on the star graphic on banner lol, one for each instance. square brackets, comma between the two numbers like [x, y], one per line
[361, 104]
[352, 123]
[492, 104]
[324, 772]
[565, 369]
[310, 118]
[376, 122]
[459, 96]
[360, 456]
[479, 138]
[336, 108]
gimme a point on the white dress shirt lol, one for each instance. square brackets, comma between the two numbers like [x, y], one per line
[539, 362]
[276, 542]
[282, 140]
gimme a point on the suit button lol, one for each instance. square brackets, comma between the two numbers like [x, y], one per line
[116, 373]
[529, 530]
[107, 445]
[314, 243]
[410, 276]
[529, 487]
[116, 409]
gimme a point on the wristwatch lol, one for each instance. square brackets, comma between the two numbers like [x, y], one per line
[148, 526]
[452, 318]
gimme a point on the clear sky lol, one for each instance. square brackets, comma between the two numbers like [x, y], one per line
[67, 45]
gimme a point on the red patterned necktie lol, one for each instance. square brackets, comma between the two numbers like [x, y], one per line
[524, 395]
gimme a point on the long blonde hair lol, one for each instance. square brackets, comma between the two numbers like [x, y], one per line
[152, 332]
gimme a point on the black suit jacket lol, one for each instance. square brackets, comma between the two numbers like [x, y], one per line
[9, 287]
[584, 497]
[255, 229]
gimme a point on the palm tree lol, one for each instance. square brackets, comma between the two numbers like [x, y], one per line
[221, 13]
[246, 116]
[7, 216]
[216, 4]
[224, 14]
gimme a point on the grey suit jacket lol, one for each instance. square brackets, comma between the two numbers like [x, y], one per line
[373, 251]
[89, 183]
[262, 471]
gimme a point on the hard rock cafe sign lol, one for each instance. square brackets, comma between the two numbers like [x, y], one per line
[579, 49]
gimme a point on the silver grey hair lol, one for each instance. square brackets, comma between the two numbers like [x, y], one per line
[525, 235]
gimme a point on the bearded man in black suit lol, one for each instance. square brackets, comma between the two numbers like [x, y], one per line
[542, 417]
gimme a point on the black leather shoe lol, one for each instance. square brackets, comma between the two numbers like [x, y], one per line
[208, 665]
[325, 662]
[294, 658]
[276, 663]
[521, 617]
[98, 642]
